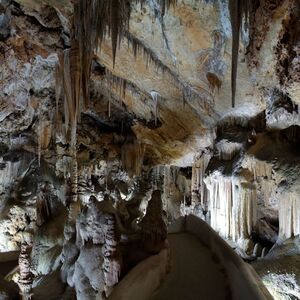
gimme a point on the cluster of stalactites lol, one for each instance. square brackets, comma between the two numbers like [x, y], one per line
[132, 156]
[26, 277]
[232, 206]
[257, 167]
[164, 4]
[170, 176]
[289, 216]
[92, 21]
[226, 150]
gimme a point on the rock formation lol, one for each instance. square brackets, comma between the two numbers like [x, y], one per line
[116, 119]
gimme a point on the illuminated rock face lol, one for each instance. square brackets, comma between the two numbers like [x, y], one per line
[159, 120]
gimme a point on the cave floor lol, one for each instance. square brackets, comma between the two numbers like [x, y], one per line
[194, 273]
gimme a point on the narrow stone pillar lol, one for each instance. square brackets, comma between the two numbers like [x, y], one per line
[26, 277]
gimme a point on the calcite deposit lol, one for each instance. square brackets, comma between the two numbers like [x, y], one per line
[117, 118]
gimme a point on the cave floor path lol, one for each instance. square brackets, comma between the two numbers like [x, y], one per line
[194, 273]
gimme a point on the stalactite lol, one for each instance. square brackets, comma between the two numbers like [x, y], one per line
[238, 9]
[72, 74]
[176, 192]
[113, 86]
[232, 206]
[267, 188]
[59, 85]
[138, 48]
[198, 186]
[155, 96]
[42, 205]
[220, 204]
[167, 185]
[227, 150]
[91, 22]
[58, 90]
[74, 176]
[121, 86]
[244, 203]
[257, 167]
[289, 216]
[170, 175]
[117, 83]
[156, 176]
[132, 157]
[165, 4]
[189, 93]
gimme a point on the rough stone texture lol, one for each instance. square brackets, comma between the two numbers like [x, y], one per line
[4, 26]
[160, 119]
[279, 270]
[26, 277]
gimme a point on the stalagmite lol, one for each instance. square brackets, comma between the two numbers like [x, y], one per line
[170, 174]
[26, 277]
[117, 83]
[154, 231]
[112, 266]
[198, 186]
[227, 150]
[239, 9]
[157, 172]
[42, 205]
[97, 230]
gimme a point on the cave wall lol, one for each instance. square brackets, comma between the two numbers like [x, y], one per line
[160, 118]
